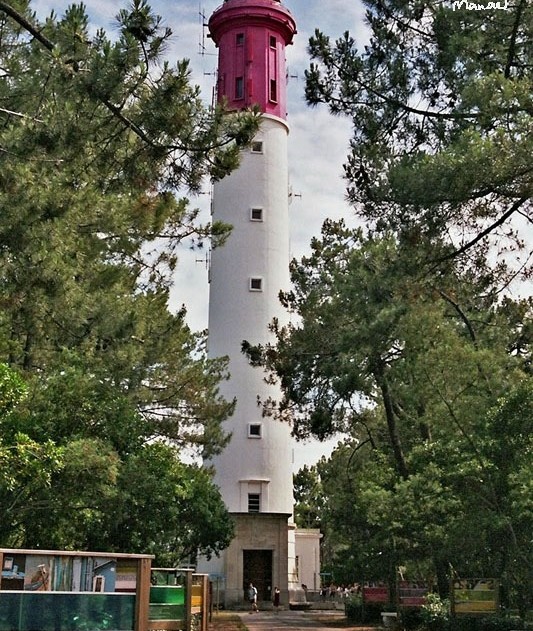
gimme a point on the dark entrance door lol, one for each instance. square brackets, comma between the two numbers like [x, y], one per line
[257, 569]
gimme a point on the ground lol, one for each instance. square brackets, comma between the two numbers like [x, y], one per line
[225, 621]
[229, 621]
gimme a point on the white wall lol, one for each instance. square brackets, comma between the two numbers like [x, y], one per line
[260, 250]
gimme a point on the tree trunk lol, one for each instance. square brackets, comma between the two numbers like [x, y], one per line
[394, 434]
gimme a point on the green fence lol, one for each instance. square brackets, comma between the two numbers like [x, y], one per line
[167, 603]
[31, 611]
[47, 590]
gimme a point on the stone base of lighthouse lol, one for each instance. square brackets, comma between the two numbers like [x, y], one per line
[258, 554]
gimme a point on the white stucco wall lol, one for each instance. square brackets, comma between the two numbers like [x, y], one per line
[308, 553]
[255, 249]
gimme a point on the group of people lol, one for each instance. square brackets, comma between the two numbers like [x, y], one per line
[252, 598]
[337, 592]
[328, 592]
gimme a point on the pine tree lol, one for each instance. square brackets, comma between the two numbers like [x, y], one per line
[99, 142]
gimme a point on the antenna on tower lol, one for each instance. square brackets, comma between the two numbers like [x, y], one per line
[206, 259]
[291, 76]
[203, 24]
[293, 195]
[202, 48]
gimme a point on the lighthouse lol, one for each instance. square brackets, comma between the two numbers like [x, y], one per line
[254, 472]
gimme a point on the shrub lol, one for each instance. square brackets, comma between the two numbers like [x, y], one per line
[412, 618]
[435, 614]
[475, 623]
[356, 611]
[372, 612]
[502, 623]
[353, 609]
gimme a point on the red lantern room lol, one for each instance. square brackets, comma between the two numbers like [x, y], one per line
[251, 36]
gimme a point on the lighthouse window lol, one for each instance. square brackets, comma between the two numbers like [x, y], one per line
[272, 42]
[256, 214]
[273, 90]
[254, 502]
[256, 284]
[257, 146]
[239, 39]
[239, 87]
[254, 430]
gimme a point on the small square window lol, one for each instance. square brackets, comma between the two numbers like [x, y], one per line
[256, 284]
[256, 214]
[254, 430]
[272, 42]
[257, 146]
[254, 502]
[239, 39]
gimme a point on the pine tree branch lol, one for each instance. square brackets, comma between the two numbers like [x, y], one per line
[49, 45]
[501, 220]
[512, 44]
[461, 314]
[26, 25]
[20, 115]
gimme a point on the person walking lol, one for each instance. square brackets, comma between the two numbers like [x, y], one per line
[275, 599]
[252, 598]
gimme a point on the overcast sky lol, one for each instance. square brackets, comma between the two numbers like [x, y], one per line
[318, 143]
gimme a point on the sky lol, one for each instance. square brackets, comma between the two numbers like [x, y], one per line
[318, 142]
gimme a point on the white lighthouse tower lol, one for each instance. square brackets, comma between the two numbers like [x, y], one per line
[254, 472]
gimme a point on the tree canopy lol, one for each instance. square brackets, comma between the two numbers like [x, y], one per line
[98, 140]
[424, 374]
[405, 334]
[441, 104]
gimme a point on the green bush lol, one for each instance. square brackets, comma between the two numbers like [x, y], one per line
[356, 611]
[372, 612]
[412, 618]
[353, 609]
[435, 614]
[476, 623]
[502, 623]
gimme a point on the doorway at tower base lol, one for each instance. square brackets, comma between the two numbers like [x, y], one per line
[258, 554]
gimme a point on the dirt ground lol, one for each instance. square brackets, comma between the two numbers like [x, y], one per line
[229, 621]
[225, 621]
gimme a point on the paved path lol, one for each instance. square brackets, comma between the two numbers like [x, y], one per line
[289, 620]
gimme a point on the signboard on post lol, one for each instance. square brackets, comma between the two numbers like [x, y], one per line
[411, 594]
[375, 593]
[475, 596]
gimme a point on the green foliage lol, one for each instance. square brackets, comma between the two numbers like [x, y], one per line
[435, 614]
[96, 137]
[410, 618]
[12, 390]
[308, 497]
[59, 514]
[477, 623]
[166, 508]
[353, 609]
[357, 612]
[414, 365]
[405, 335]
[441, 104]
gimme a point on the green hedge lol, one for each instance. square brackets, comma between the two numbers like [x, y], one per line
[357, 612]
[434, 616]
[475, 623]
